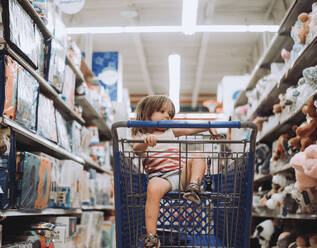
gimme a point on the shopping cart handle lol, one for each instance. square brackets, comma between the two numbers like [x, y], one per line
[185, 124]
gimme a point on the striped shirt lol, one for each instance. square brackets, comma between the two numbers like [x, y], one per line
[164, 158]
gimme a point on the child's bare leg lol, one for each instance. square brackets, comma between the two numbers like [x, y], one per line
[157, 188]
[193, 176]
[195, 170]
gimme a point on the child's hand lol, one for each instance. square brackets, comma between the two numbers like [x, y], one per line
[150, 140]
[213, 133]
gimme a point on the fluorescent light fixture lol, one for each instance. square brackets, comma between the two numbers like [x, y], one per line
[189, 16]
[174, 70]
[173, 29]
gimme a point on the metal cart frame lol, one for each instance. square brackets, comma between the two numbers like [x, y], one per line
[223, 217]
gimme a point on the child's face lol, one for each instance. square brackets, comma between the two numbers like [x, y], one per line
[165, 113]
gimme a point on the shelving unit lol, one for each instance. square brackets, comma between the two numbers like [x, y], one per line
[279, 41]
[282, 167]
[306, 59]
[289, 216]
[92, 117]
[45, 87]
[48, 211]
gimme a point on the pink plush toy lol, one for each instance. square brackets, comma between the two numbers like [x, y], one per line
[305, 168]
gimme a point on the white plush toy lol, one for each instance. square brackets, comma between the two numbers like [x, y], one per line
[263, 232]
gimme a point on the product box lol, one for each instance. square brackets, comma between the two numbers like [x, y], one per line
[4, 183]
[74, 130]
[63, 138]
[68, 92]
[27, 100]
[54, 65]
[21, 32]
[46, 120]
[35, 181]
[9, 83]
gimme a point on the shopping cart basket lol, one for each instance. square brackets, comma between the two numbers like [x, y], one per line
[222, 219]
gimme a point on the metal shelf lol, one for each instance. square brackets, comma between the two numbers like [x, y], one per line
[47, 34]
[100, 208]
[48, 211]
[92, 117]
[45, 87]
[306, 59]
[283, 166]
[281, 40]
[286, 122]
[30, 140]
[92, 164]
[289, 216]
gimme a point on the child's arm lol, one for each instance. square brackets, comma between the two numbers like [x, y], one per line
[148, 141]
[187, 131]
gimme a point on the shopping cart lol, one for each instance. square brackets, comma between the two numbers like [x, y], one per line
[222, 219]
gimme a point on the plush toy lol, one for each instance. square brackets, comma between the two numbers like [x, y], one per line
[313, 240]
[306, 134]
[242, 110]
[280, 152]
[263, 232]
[285, 55]
[285, 239]
[259, 122]
[277, 108]
[262, 159]
[303, 30]
[300, 242]
[304, 181]
[310, 75]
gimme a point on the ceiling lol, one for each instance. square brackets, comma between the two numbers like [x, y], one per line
[205, 57]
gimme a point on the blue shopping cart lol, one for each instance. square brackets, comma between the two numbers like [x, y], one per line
[223, 217]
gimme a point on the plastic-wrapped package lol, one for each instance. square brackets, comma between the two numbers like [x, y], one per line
[74, 53]
[71, 173]
[39, 49]
[4, 182]
[63, 138]
[68, 92]
[93, 221]
[35, 181]
[85, 188]
[54, 65]
[97, 152]
[27, 100]
[20, 32]
[74, 130]
[60, 32]
[9, 78]
[41, 7]
[46, 121]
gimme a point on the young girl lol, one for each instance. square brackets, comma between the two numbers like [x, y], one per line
[164, 168]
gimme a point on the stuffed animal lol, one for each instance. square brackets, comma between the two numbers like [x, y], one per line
[262, 159]
[306, 134]
[263, 232]
[313, 240]
[277, 108]
[259, 122]
[303, 30]
[281, 150]
[242, 110]
[304, 181]
[285, 239]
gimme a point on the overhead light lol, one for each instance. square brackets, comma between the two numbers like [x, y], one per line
[174, 70]
[189, 16]
[173, 29]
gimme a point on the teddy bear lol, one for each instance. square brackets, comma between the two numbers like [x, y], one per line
[303, 30]
[306, 134]
[259, 122]
[280, 152]
[263, 232]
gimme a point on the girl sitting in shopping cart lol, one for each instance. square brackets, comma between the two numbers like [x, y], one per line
[165, 170]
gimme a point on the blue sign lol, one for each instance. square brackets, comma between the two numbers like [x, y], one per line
[105, 66]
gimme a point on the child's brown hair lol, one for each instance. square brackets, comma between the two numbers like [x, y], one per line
[146, 107]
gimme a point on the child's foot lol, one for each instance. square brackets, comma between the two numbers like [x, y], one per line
[151, 240]
[192, 193]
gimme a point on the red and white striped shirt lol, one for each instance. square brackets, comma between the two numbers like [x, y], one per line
[164, 157]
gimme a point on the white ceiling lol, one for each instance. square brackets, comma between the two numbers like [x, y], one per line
[223, 53]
